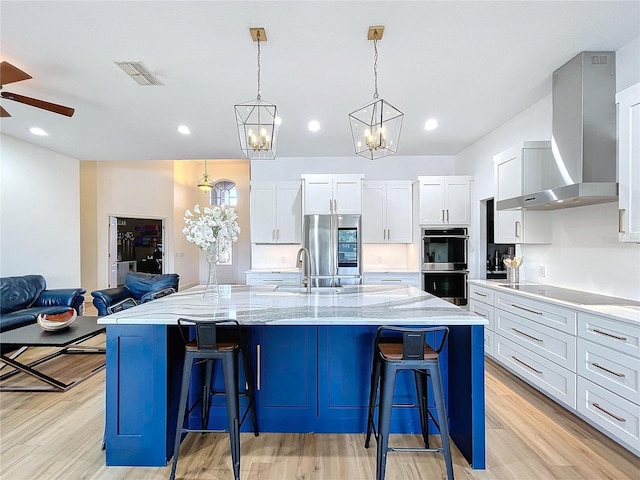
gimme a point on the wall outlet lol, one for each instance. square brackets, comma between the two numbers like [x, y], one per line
[542, 271]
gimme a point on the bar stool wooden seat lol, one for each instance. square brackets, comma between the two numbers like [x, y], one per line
[395, 349]
[216, 340]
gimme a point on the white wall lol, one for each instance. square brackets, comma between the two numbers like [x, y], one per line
[40, 213]
[585, 253]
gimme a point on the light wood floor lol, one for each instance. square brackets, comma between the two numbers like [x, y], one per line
[57, 436]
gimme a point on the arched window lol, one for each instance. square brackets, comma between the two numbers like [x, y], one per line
[224, 193]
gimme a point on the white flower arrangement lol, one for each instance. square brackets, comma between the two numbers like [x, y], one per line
[213, 230]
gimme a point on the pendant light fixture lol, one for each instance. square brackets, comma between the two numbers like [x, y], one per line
[204, 182]
[376, 126]
[257, 120]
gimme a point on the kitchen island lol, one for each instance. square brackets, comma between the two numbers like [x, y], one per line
[311, 354]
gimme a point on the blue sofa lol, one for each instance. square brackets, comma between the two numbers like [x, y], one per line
[23, 298]
[138, 288]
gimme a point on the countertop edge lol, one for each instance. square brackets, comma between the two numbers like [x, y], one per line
[610, 311]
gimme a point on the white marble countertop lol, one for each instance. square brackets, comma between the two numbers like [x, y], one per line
[273, 305]
[613, 307]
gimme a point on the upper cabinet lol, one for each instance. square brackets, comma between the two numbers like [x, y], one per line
[340, 193]
[276, 212]
[628, 101]
[511, 167]
[387, 212]
[445, 200]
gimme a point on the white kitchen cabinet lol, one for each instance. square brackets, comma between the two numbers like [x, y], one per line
[587, 361]
[326, 194]
[518, 170]
[608, 367]
[543, 374]
[276, 212]
[481, 303]
[387, 212]
[445, 200]
[628, 101]
[392, 278]
[274, 277]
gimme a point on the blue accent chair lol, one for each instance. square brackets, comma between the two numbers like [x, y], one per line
[138, 288]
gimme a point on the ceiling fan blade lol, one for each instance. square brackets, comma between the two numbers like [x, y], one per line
[10, 74]
[34, 102]
[4, 113]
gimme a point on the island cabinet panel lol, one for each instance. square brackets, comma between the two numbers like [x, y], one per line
[286, 377]
[143, 384]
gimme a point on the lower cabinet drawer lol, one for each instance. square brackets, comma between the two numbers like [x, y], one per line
[554, 380]
[612, 370]
[610, 413]
[489, 342]
[559, 347]
[485, 311]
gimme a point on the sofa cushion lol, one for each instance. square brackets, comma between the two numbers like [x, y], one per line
[9, 321]
[140, 283]
[21, 292]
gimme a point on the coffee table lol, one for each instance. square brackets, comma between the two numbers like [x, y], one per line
[66, 340]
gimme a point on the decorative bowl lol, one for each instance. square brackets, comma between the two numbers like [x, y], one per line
[56, 321]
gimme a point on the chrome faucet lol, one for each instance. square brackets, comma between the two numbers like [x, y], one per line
[307, 273]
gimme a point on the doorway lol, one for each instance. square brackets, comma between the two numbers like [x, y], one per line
[135, 245]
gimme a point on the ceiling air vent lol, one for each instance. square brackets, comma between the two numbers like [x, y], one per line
[140, 73]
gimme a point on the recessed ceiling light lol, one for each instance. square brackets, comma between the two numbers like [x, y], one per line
[183, 129]
[314, 125]
[431, 124]
[38, 131]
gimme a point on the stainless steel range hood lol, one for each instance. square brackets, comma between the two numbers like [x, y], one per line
[583, 170]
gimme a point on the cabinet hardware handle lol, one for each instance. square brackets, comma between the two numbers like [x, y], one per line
[623, 339]
[620, 215]
[391, 280]
[619, 375]
[525, 309]
[335, 206]
[517, 230]
[384, 233]
[528, 366]
[330, 206]
[527, 335]
[620, 419]
[480, 294]
[258, 364]
[388, 234]
[480, 314]
[434, 286]
[442, 216]
[447, 215]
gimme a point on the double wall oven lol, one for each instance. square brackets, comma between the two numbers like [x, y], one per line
[444, 263]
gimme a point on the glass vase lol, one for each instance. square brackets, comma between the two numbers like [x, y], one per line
[212, 287]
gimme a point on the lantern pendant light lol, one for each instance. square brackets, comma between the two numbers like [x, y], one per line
[376, 126]
[257, 120]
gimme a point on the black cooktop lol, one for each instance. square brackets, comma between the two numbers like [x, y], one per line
[572, 296]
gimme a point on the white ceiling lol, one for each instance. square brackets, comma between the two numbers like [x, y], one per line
[472, 65]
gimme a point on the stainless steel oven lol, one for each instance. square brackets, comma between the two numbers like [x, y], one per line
[445, 262]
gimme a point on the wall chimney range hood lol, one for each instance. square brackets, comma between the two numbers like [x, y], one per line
[583, 137]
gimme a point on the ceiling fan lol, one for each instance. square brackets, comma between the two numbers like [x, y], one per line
[11, 74]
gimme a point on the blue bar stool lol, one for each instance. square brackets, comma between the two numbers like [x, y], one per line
[395, 349]
[214, 341]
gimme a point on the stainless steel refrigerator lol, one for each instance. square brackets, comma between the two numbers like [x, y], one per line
[335, 248]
